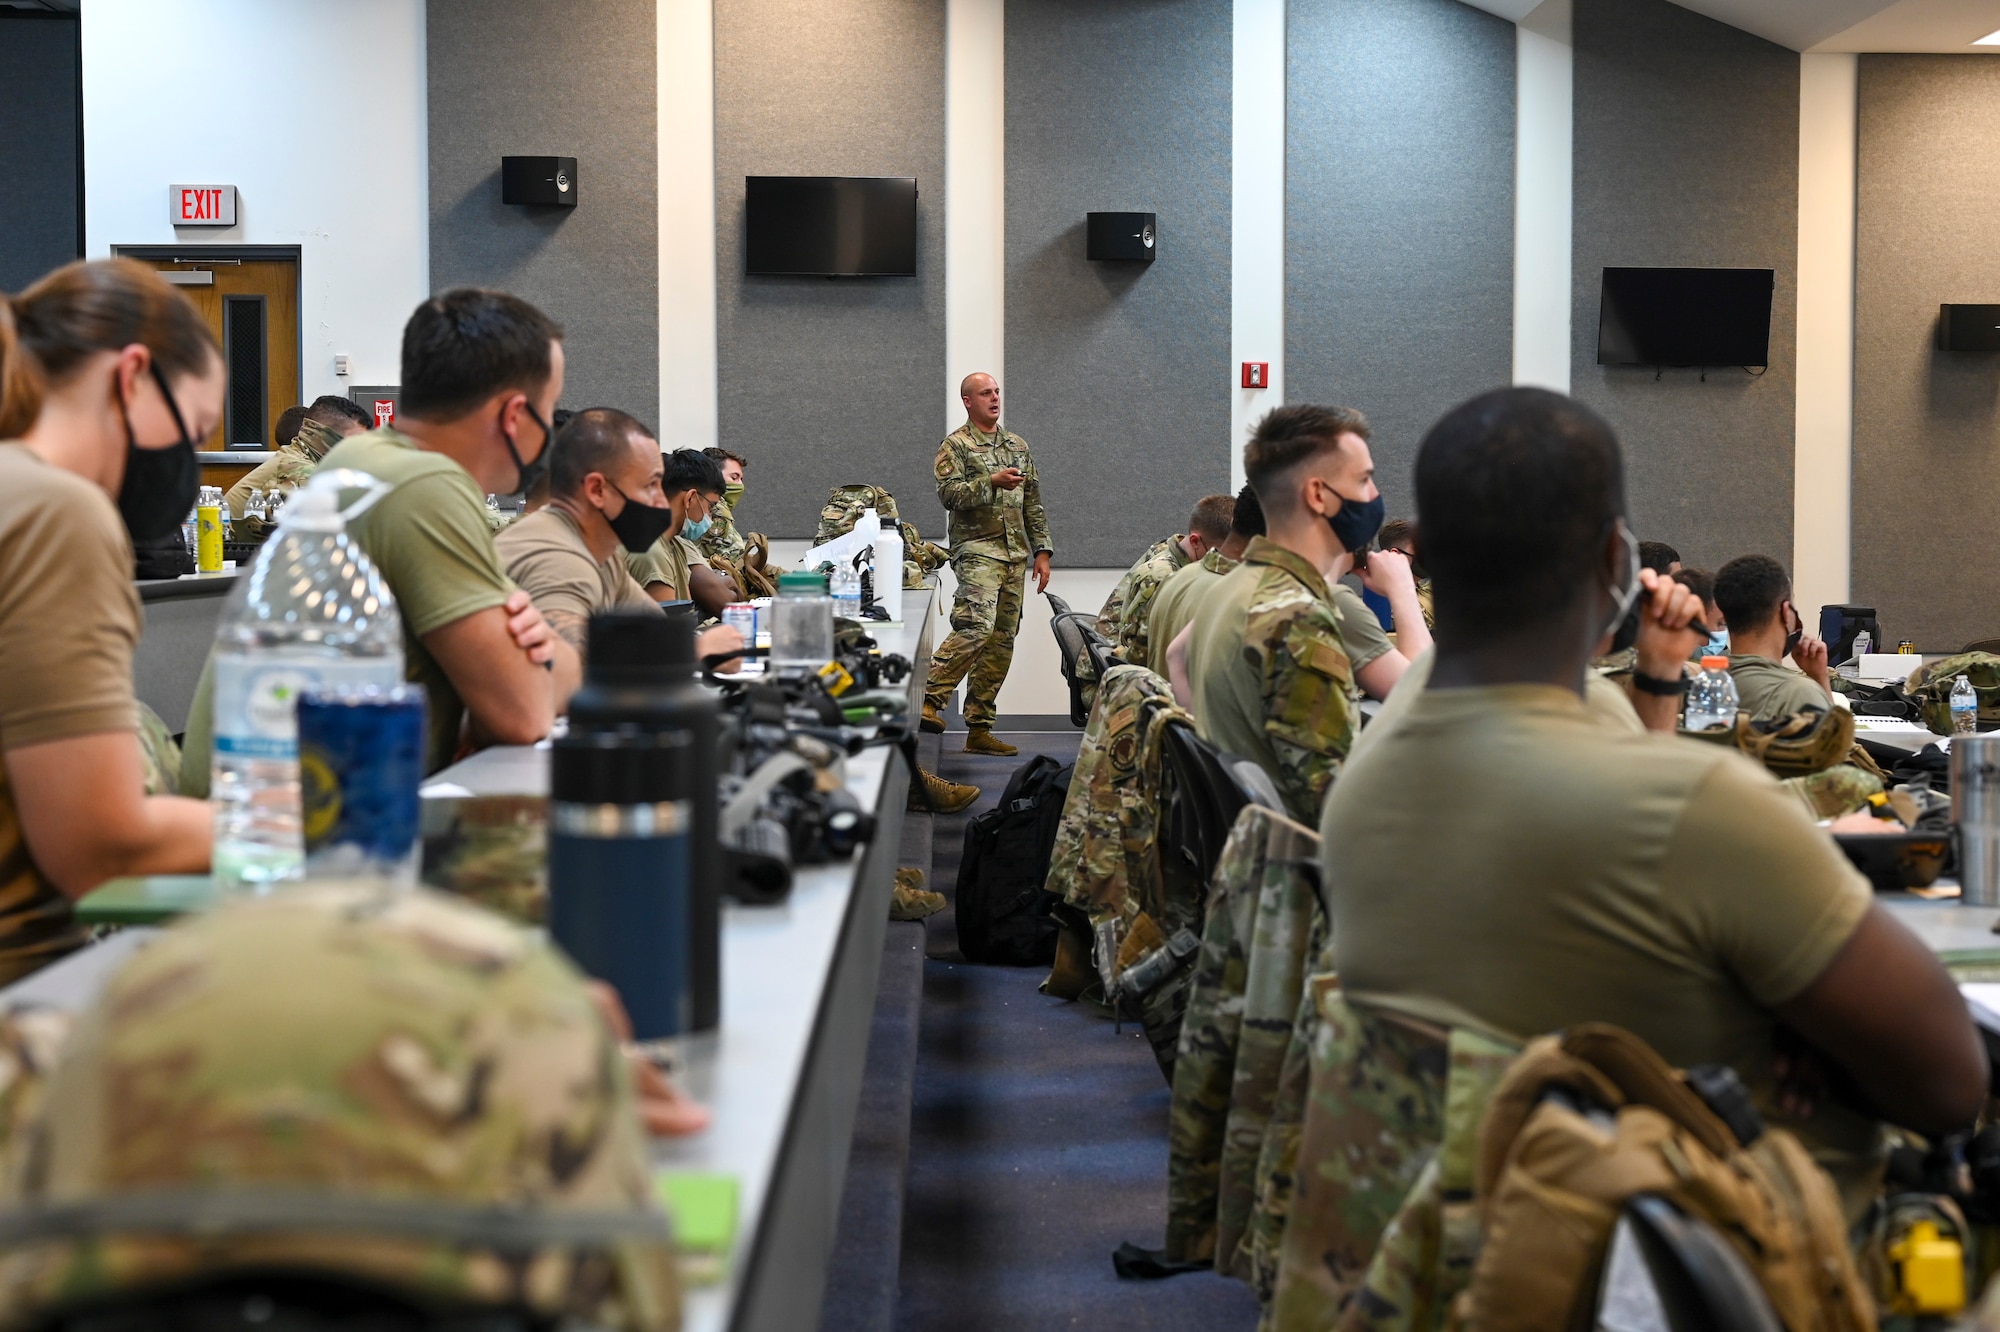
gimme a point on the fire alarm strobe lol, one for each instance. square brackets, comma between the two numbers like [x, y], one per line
[1130, 237]
[547, 181]
[1256, 374]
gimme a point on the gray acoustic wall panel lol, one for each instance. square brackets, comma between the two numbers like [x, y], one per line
[1926, 422]
[826, 381]
[41, 146]
[546, 77]
[1118, 373]
[1687, 155]
[1399, 214]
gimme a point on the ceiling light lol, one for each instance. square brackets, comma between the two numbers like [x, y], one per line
[1990, 39]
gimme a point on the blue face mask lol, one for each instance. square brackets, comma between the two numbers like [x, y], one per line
[1718, 643]
[694, 531]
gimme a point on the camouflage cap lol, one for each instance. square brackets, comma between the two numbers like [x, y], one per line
[401, 1090]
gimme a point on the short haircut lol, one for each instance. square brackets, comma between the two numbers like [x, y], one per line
[592, 441]
[1700, 582]
[722, 455]
[1288, 437]
[1211, 518]
[288, 425]
[559, 418]
[463, 346]
[332, 411]
[1397, 533]
[691, 469]
[1658, 556]
[1248, 520]
[1521, 470]
[1748, 590]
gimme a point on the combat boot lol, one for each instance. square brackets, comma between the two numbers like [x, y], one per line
[932, 794]
[932, 721]
[981, 740]
[910, 900]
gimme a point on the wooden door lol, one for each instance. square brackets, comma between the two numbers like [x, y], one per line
[252, 306]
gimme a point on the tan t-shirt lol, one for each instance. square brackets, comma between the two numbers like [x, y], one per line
[546, 557]
[1361, 634]
[428, 537]
[667, 561]
[1502, 860]
[1602, 699]
[1174, 604]
[1768, 689]
[69, 620]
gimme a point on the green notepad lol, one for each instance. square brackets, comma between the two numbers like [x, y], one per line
[149, 901]
[703, 1206]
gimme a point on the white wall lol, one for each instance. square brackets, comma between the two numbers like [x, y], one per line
[975, 230]
[314, 110]
[1543, 196]
[1257, 217]
[689, 406]
[1822, 517]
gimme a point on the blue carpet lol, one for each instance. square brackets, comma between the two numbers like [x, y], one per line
[1038, 1140]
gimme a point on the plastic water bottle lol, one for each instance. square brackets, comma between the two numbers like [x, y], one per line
[254, 507]
[846, 591]
[889, 571]
[1711, 697]
[1964, 708]
[313, 612]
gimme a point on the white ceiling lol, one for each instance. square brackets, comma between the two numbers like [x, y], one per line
[1945, 26]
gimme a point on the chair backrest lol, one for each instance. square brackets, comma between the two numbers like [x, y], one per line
[1983, 645]
[1085, 655]
[1204, 800]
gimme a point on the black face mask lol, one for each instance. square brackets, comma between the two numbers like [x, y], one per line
[530, 474]
[1792, 638]
[1356, 523]
[160, 485]
[637, 525]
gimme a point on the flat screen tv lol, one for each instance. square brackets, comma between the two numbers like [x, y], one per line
[830, 226]
[1685, 316]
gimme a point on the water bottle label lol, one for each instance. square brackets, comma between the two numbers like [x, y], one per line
[256, 697]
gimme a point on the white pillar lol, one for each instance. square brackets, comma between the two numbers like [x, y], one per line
[1257, 217]
[685, 41]
[975, 230]
[1544, 62]
[1822, 512]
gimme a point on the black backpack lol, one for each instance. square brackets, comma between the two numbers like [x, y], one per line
[1002, 908]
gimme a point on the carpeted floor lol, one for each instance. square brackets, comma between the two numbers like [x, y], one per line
[1038, 1139]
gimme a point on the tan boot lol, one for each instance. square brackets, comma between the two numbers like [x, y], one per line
[932, 721]
[910, 899]
[932, 794]
[981, 740]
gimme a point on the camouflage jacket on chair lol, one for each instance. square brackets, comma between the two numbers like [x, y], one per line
[1106, 858]
[1261, 930]
[1382, 1232]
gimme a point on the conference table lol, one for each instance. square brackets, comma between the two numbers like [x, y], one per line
[782, 1075]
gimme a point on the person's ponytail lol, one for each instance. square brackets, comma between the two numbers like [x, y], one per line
[20, 376]
[49, 331]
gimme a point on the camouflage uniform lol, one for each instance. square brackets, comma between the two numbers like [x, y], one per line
[846, 504]
[1271, 681]
[287, 469]
[993, 533]
[1106, 860]
[380, 1087]
[1260, 930]
[1278, 1156]
[158, 754]
[1383, 1232]
[1130, 605]
[722, 539]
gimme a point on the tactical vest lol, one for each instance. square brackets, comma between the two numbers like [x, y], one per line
[1930, 687]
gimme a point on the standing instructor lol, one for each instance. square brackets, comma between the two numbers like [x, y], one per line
[988, 485]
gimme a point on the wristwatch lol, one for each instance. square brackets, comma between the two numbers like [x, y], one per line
[1653, 684]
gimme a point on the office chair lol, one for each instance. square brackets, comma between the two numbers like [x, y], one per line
[1079, 643]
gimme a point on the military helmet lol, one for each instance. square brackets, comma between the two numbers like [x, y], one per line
[396, 1090]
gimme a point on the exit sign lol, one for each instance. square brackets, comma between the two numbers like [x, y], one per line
[202, 205]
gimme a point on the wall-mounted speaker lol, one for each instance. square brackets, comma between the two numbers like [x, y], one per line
[1968, 328]
[538, 180]
[1130, 237]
